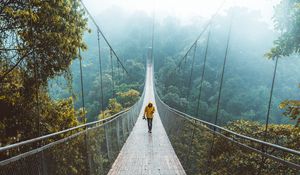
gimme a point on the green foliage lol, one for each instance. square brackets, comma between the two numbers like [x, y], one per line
[247, 77]
[233, 158]
[59, 23]
[286, 18]
[202, 152]
[129, 98]
[292, 110]
[18, 109]
[45, 37]
[123, 100]
[245, 95]
[113, 108]
[175, 101]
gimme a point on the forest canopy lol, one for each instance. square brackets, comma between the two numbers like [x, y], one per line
[39, 41]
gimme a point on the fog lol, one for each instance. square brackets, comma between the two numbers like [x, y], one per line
[248, 74]
[185, 10]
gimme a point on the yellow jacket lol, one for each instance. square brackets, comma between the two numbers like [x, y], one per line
[149, 111]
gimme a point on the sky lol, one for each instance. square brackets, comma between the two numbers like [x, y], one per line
[182, 9]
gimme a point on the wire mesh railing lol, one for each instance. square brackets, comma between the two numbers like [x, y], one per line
[205, 148]
[87, 149]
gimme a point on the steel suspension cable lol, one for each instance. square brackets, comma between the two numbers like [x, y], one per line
[203, 31]
[14, 66]
[35, 66]
[81, 83]
[268, 113]
[271, 96]
[223, 70]
[36, 79]
[40, 159]
[112, 73]
[98, 28]
[86, 139]
[118, 71]
[103, 36]
[152, 37]
[203, 72]
[190, 144]
[100, 70]
[220, 92]
[192, 70]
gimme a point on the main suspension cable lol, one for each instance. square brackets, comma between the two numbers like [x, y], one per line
[202, 32]
[105, 39]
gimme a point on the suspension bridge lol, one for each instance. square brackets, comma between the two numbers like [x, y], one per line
[120, 144]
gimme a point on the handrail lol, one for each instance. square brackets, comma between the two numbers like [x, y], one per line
[43, 147]
[59, 132]
[239, 135]
[233, 136]
[87, 126]
[292, 151]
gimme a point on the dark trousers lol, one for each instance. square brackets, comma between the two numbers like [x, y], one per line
[149, 120]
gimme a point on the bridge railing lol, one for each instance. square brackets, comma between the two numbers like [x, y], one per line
[86, 149]
[205, 148]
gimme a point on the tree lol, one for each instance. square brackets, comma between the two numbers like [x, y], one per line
[292, 110]
[40, 41]
[287, 18]
[128, 98]
[230, 158]
[113, 108]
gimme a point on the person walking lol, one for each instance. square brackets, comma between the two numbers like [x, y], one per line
[148, 113]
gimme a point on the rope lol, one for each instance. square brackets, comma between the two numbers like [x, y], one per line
[100, 70]
[203, 72]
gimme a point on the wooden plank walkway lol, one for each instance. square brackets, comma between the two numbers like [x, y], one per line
[147, 153]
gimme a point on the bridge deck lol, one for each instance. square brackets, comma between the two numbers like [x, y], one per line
[145, 153]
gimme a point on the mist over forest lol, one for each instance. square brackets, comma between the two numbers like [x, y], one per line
[76, 83]
[248, 74]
